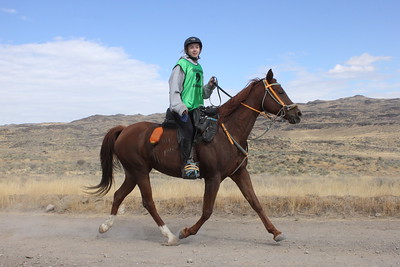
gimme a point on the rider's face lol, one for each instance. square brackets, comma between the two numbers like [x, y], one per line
[193, 50]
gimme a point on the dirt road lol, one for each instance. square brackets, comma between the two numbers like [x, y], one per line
[31, 239]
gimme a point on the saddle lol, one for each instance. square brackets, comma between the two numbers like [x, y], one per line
[205, 123]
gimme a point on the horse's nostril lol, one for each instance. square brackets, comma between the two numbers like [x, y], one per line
[299, 113]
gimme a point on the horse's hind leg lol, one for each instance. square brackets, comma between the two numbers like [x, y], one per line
[242, 179]
[148, 203]
[127, 186]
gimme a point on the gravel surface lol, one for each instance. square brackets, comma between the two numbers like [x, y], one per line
[35, 239]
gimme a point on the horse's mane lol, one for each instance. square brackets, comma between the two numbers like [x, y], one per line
[232, 104]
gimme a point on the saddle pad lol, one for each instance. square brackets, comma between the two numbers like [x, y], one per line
[156, 135]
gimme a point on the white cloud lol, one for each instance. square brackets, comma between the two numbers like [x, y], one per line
[8, 10]
[65, 80]
[358, 65]
[13, 12]
[358, 75]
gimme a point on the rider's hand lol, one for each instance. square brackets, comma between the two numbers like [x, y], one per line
[212, 82]
[185, 116]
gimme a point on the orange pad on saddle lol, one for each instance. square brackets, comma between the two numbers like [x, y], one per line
[156, 135]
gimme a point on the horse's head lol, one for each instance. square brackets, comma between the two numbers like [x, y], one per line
[277, 102]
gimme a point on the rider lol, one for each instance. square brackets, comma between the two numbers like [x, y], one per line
[186, 94]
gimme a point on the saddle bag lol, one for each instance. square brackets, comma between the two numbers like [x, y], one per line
[208, 122]
[205, 120]
[211, 129]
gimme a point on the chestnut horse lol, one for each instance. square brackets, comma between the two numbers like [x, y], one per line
[223, 157]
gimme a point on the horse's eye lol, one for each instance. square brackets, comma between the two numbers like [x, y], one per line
[281, 92]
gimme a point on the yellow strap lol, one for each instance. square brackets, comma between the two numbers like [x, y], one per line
[273, 92]
[240, 148]
[227, 133]
[256, 110]
[191, 168]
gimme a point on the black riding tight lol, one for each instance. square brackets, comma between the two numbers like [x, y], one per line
[187, 133]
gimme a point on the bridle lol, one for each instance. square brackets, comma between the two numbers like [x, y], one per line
[268, 89]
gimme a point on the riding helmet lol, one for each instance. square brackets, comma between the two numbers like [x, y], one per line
[192, 40]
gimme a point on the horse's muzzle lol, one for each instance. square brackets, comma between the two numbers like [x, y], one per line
[294, 115]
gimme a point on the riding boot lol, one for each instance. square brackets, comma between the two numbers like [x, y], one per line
[190, 169]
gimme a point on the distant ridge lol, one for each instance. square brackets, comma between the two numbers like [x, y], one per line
[358, 104]
[348, 136]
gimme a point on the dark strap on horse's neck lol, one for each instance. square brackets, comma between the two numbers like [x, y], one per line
[219, 94]
[233, 141]
[219, 88]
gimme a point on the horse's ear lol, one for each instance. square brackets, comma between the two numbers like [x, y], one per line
[270, 76]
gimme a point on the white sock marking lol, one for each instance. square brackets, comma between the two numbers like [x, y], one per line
[172, 240]
[107, 224]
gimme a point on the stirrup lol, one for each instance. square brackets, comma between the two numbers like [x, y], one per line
[190, 171]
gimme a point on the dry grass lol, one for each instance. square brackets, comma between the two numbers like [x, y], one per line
[280, 196]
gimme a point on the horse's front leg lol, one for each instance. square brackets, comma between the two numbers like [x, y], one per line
[210, 194]
[242, 179]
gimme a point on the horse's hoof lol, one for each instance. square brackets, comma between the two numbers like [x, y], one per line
[172, 242]
[183, 234]
[103, 228]
[279, 237]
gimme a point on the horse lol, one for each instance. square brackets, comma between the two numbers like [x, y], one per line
[225, 156]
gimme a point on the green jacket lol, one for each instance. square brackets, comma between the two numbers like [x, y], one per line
[192, 94]
[178, 83]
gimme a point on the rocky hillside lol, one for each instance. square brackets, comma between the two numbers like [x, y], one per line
[349, 136]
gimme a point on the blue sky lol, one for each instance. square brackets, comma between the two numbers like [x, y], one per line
[66, 60]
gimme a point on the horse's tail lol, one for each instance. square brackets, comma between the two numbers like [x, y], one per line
[108, 162]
